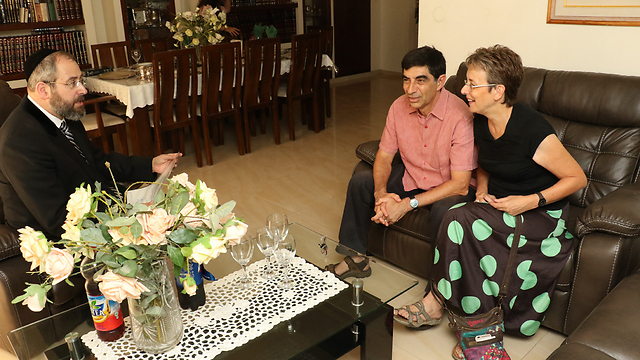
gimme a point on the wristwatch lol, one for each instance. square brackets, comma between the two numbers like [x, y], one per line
[542, 202]
[413, 202]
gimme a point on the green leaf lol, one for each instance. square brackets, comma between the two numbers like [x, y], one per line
[20, 298]
[109, 260]
[88, 223]
[136, 229]
[214, 219]
[226, 208]
[129, 268]
[178, 202]
[183, 236]
[127, 252]
[175, 255]
[121, 221]
[68, 282]
[146, 301]
[154, 311]
[158, 198]
[93, 236]
[136, 208]
[186, 251]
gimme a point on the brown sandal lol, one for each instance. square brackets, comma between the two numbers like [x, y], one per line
[355, 269]
[417, 320]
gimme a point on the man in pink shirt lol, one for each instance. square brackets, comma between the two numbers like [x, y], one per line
[433, 131]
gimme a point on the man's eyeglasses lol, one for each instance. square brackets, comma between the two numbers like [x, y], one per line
[71, 84]
[471, 87]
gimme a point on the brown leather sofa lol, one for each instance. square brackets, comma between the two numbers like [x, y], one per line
[597, 118]
[609, 331]
[14, 269]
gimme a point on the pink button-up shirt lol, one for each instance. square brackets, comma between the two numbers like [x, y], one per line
[432, 146]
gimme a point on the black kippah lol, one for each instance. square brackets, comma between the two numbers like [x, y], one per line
[34, 60]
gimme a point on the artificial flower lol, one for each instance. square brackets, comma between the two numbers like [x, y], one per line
[189, 289]
[155, 226]
[202, 255]
[117, 287]
[236, 232]
[79, 204]
[33, 246]
[59, 265]
[33, 303]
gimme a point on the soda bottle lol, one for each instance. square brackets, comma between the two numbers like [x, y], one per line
[106, 314]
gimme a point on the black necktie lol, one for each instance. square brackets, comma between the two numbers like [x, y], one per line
[65, 130]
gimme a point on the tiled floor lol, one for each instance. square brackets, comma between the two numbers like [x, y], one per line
[307, 180]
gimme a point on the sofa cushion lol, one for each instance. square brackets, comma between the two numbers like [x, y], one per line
[9, 243]
[615, 213]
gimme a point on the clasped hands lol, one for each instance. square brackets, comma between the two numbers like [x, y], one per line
[389, 208]
[512, 205]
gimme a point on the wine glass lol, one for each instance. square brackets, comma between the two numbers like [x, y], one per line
[285, 252]
[267, 245]
[135, 54]
[242, 252]
[277, 226]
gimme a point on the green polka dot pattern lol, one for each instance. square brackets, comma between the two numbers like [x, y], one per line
[529, 278]
[513, 301]
[555, 213]
[457, 206]
[455, 232]
[510, 220]
[481, 230]
[470, 304]
[529, 327]
[488, 264]
[550, 247]
[490, 288]
[444, 287]
[521, 243]
[559, 228]
[436, 255]
[541, 303]
[455, 270]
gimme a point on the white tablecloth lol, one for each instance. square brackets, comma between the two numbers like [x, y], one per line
[233, 316]
[136, 93]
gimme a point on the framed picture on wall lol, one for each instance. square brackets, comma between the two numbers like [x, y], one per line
[594, 12]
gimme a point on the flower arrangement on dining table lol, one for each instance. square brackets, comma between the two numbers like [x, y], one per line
[192, 29]
[184, 222]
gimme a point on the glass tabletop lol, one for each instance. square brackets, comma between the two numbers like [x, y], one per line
[45, 339]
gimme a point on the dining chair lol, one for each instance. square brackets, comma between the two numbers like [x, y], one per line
[103, 125]
[175, 89]
[306, 62]
[221, 85]
[326, 34]
[115, 54]
[150, 46]
[262, 57]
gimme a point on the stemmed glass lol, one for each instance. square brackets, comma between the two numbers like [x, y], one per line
[267, 246]
[277, 226]
[285, 252]
[242, 253]
[135, 54]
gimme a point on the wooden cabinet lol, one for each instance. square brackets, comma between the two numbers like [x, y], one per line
[145, 19]
[282, 16]
[316, 13]
[18, 40]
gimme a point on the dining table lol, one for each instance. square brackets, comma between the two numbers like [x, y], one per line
[137, 96]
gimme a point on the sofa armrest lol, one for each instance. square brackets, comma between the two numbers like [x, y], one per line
[616, 213]
[9, 243]
[367, 151]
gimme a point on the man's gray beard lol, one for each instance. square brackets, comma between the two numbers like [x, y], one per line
[65, 110]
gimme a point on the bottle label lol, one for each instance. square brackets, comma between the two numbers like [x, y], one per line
[106, 314]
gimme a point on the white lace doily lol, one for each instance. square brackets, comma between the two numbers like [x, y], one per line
[232, 316]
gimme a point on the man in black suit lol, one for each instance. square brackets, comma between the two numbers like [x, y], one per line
[45, 152]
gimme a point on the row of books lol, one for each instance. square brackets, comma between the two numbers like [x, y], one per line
[24, 11]
[14, 50]
[257, 2]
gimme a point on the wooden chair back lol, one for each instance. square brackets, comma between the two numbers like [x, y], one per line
[150, 46]
[101, 125]
[306, 63]
[115, 54]
[326, 34]
[221, 89]
[262, 57]
[175, 89]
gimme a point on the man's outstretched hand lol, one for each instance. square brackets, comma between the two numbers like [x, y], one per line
[161, 162]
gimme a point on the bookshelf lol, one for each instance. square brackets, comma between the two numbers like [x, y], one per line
[35, 25]
[145, 19]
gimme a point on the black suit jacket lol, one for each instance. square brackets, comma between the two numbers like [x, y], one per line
[40, 168]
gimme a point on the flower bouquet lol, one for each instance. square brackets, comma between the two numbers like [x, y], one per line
[127, 241]
[193, 29]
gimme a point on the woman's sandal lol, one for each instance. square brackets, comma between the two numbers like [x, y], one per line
[355, 269]
[455, 351]
[415, 320]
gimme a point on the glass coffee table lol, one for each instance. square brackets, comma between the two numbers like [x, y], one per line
[327, 331]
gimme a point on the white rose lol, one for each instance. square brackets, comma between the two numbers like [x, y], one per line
[236, 232]
[208, 196]
[71, 232]
[33, 303]
[34, 247]
[202, 255]
[183, 179]
[79, 204]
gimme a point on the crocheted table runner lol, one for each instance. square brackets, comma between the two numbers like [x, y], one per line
[232, 316]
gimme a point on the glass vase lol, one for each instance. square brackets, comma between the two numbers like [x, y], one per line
[156, 324]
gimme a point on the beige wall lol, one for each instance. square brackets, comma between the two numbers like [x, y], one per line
[393, 33]
[457, 27]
